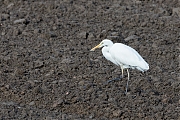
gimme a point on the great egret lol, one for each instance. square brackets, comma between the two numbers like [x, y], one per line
[123, 56]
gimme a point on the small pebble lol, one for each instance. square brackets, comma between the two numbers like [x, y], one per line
[19, 21]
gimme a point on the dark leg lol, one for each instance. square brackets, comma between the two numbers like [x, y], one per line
[127, 82]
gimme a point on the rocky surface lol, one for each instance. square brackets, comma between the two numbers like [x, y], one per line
[48, 72]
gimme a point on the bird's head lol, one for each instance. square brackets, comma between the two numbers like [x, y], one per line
[104, 43]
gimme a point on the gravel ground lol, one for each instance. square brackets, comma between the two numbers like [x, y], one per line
[47, 71]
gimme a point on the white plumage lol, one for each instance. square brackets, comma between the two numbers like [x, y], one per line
[123, 56]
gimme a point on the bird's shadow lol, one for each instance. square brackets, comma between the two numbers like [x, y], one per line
[113, 80]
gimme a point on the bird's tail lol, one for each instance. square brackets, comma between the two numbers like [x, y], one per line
[144, 66]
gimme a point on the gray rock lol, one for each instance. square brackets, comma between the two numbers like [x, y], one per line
[176, 11]
[19, 21]
[38, 64]
[132, 37]
[103, 34]
[114, 34]
[4, 16]
[36, 31]
[52, 34]
[10, 5]
[81, 82]
[3, 33]
[91, 36]
[32, 103]
[66, 60]
[9, 103]
[112, 37]
[117, 113]
[57, 102]
[82, 35]
[16, 32]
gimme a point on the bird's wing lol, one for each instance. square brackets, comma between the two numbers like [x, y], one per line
[126, 55]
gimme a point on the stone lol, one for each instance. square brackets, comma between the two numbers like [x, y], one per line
[4, 16]
[38, 64]
[114, 34]
[117, 113]
[36, 31]
[132, 37]
[31, 103]
[82, 35]
[91, 36]
[112, 37]
[176, 11]
[57, 102]
[10, 5]
[19, 21]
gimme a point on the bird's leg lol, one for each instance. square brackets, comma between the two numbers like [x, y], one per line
[122, 72]
[116, 78]
[127, 81]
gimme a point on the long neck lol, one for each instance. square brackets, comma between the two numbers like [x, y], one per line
[105, 52]
[107, 55]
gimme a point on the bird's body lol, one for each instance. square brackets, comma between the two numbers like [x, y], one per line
[123, 56]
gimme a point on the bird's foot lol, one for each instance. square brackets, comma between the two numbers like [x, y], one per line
[126, 92]
[115, 79]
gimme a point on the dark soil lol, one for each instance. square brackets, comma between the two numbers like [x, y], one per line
[47, 71]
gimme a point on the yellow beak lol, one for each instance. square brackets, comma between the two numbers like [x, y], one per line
[98, 46]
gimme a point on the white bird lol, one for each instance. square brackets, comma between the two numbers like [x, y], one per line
[123, 56]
